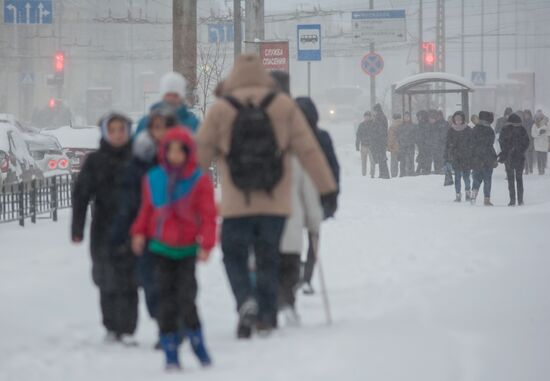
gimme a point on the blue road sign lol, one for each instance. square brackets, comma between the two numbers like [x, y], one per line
[26, 78]
[220, 33]
[479, 78]
[309, 42]
[28, 11]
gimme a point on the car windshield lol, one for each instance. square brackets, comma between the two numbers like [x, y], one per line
[50, 145]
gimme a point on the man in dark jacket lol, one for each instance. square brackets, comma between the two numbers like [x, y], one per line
[362, 144]
[423, 141]
[377, 135]
[501, 122]
[483, 156]
[514, 142]
[406, 142]
[113, 271]
[458, 153]
[441, 129]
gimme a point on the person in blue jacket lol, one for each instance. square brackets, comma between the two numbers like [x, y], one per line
[172, 89]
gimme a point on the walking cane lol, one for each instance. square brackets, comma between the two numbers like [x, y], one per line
[315, 244]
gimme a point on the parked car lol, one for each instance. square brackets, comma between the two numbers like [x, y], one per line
[16, 161]
[77, 143]
[48, 154]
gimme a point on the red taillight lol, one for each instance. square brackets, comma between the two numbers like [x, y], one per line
[63, 163]
[52, 164]
[4, 164]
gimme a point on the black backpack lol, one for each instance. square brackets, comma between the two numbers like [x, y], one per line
[255, 161]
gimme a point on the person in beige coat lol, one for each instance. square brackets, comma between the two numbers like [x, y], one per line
[257, 221]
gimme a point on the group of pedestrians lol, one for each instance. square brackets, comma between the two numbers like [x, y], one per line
[154, 213]
[467, 150]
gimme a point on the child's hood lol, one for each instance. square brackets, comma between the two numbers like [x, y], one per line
[182, 135]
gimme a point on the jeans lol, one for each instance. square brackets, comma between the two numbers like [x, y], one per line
[262, 234]
[485, 176]
[515, 176]
[459, 175]
[289, 278]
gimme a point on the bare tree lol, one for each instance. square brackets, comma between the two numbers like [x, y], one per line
[212, 65]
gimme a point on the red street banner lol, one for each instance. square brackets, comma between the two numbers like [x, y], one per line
[274, 55]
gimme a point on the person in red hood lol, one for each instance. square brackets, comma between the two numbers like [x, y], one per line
[177, 218]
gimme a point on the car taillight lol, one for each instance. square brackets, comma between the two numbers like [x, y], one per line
[4, 164]
[52, 164]
[63, 163]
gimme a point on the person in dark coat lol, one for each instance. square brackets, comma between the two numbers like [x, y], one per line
[441, 129]
[377, 135]
[325, 141]
[458, 153]
[144, 149]
[528, 122]
[503, 120]
[484, 157]
[362, 144]
[423, 141]
[406, 141]
[113, 271]
[514, 143]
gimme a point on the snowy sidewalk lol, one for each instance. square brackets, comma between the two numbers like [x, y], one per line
[421, 289]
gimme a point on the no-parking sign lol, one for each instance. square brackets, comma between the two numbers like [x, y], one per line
[372, 64]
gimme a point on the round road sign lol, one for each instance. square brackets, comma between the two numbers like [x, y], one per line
[372, 64]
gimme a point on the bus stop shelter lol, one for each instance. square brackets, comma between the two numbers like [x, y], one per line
[424, 84]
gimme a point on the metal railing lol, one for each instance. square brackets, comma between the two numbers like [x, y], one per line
[39, 198]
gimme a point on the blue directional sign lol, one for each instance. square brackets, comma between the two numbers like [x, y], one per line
[28, 11]
[221, 33]
[309, 42]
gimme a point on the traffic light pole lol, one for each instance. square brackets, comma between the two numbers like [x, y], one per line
[372, 77]
[420, 38]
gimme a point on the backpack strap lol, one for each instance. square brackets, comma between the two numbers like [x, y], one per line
[234, 102]
[267, 100]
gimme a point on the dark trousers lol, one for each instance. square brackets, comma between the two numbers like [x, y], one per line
[542, 159]
[459, 176]
[146, 279]
[309, 266]
[425, 159]
[289, 277]
[515, 176]
[485, 176]
[177, 289]
[381, 159]
[406, 163]
[262, 234]
[529, 161]
[119, 310]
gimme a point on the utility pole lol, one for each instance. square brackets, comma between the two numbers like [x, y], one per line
[516, 37]
[462, 38]
[498, 39]
[184, 35]
[482, 35]
[420, 37]
[440, 48]
[237, 30]
[372, 77]
[254, 24]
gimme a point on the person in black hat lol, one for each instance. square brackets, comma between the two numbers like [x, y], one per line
[484, 157]
[503, 120]
[514, 143]
[377, 135]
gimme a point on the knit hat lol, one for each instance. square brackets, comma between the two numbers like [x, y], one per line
[508, 111]
[514, 120]
[486, 116]
[539, 116]
[173, 82]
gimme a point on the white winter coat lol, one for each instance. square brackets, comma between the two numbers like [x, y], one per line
[306, 211]
[540, 137]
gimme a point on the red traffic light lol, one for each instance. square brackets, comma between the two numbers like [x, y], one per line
[59, 63]
[428, 55]
[51, 103]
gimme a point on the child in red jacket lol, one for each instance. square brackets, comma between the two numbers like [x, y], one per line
[178, 219]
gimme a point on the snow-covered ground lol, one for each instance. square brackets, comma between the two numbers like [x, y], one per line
[421, 289]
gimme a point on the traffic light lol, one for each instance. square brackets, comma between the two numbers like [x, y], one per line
[428, 56]
[52, 103]
[59, 63]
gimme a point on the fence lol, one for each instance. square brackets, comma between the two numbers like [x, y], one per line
[35, 199]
